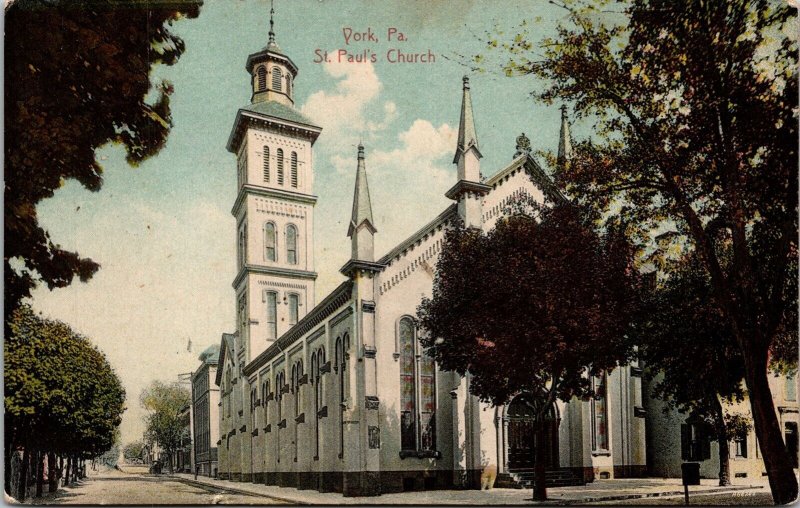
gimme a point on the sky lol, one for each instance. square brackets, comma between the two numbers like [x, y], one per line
[163, 232]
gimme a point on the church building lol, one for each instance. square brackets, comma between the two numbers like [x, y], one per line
[338, 395]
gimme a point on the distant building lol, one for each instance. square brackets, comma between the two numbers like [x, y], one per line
[183, 454]
[671, 439]
[205, 410]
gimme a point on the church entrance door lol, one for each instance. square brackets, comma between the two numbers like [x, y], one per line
[521, 434]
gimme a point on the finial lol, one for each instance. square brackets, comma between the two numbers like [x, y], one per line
[360, 151]
[272, 22]
[465, 79]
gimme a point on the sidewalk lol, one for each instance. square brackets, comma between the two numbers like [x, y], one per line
[600, 490]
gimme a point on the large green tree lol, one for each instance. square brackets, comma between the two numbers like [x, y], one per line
[61, 394]
[695, 123]
[77, 78]
[536, 306]
[163, 423]
[691, 355]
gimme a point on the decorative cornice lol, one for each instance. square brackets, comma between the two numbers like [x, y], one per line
[248, 190]
[269, 270]
[339, 297]
[244, 117]
[354, 266]
[466, 187]
[440, 220]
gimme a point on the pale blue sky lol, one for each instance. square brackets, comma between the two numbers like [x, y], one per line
[163, 232]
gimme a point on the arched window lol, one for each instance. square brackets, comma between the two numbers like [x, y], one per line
[417, 391]
[342, 345]
[599, 414]
[294, 303]
[227, 393]
[317, 361]
[270, 242]
[265, 160]
[271, 299]
[277, 78]
[293, 176]
[291, 244]
[264, 396]
[297, 379]
[280, 166]
[262, 78]
[280, 381]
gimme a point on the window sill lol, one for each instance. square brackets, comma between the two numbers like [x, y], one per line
[421, 454]
[601, 453]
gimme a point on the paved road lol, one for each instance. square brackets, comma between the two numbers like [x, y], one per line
[746, 498]
[114, 487]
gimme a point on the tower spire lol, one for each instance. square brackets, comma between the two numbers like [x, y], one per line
[272, 23]
[564, 139]
[467, 137]
[362, 226]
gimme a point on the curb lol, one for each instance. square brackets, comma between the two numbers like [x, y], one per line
[225, 488]
[623, 497]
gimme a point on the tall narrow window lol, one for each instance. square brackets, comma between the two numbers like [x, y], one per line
[427, 402]
[272, 315]
[599, 414]
[280, 380]
[241, 248]
[277, 77]
[265, 163]
[294, 302]
[741, 447]
[262, 78]
[270, 252]
[291, 244]
[264, 396]
[791, 389]
[342, 344]
[289, 85]
[294, 169]
[297, 374]
[317, 361]
[408, 409]
[280, 166]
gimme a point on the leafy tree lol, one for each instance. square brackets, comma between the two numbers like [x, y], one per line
[163, 423]
[61, 395]
[535, 306]
[79, 78]
[133, 451]
[695, 129]
[690, 352]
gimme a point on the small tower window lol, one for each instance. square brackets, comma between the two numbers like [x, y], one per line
[266, 163]
[291, 244]
[294, 301]
[262, 79]
[277, 78]
[269, 242]
[272, 315]
[294, 170]
[280, 166]
[289, 85]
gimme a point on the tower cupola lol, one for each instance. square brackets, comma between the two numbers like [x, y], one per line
[271, 71]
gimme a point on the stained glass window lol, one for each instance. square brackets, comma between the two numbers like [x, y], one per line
[417, 391]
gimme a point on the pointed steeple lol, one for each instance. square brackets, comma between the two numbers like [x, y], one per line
[467, 138]
[362, 226]
[564, 139]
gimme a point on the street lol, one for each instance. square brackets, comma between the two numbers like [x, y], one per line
[115, 487]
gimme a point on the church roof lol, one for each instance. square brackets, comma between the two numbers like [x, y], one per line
[443, 218]
[225, 344]
[270, 111]
[362, 205]
[278, 110]
[467, 137]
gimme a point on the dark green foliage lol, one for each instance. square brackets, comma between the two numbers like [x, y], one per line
[61, 395]
[78, 78]
[695, 122]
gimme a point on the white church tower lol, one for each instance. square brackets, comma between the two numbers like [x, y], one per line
[274, 207]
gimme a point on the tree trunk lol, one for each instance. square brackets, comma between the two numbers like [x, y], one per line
[23, 475]
[539, 475]
[51, 472]
[782, 481]
[68, 475]
[722, 440]
[39, 474]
